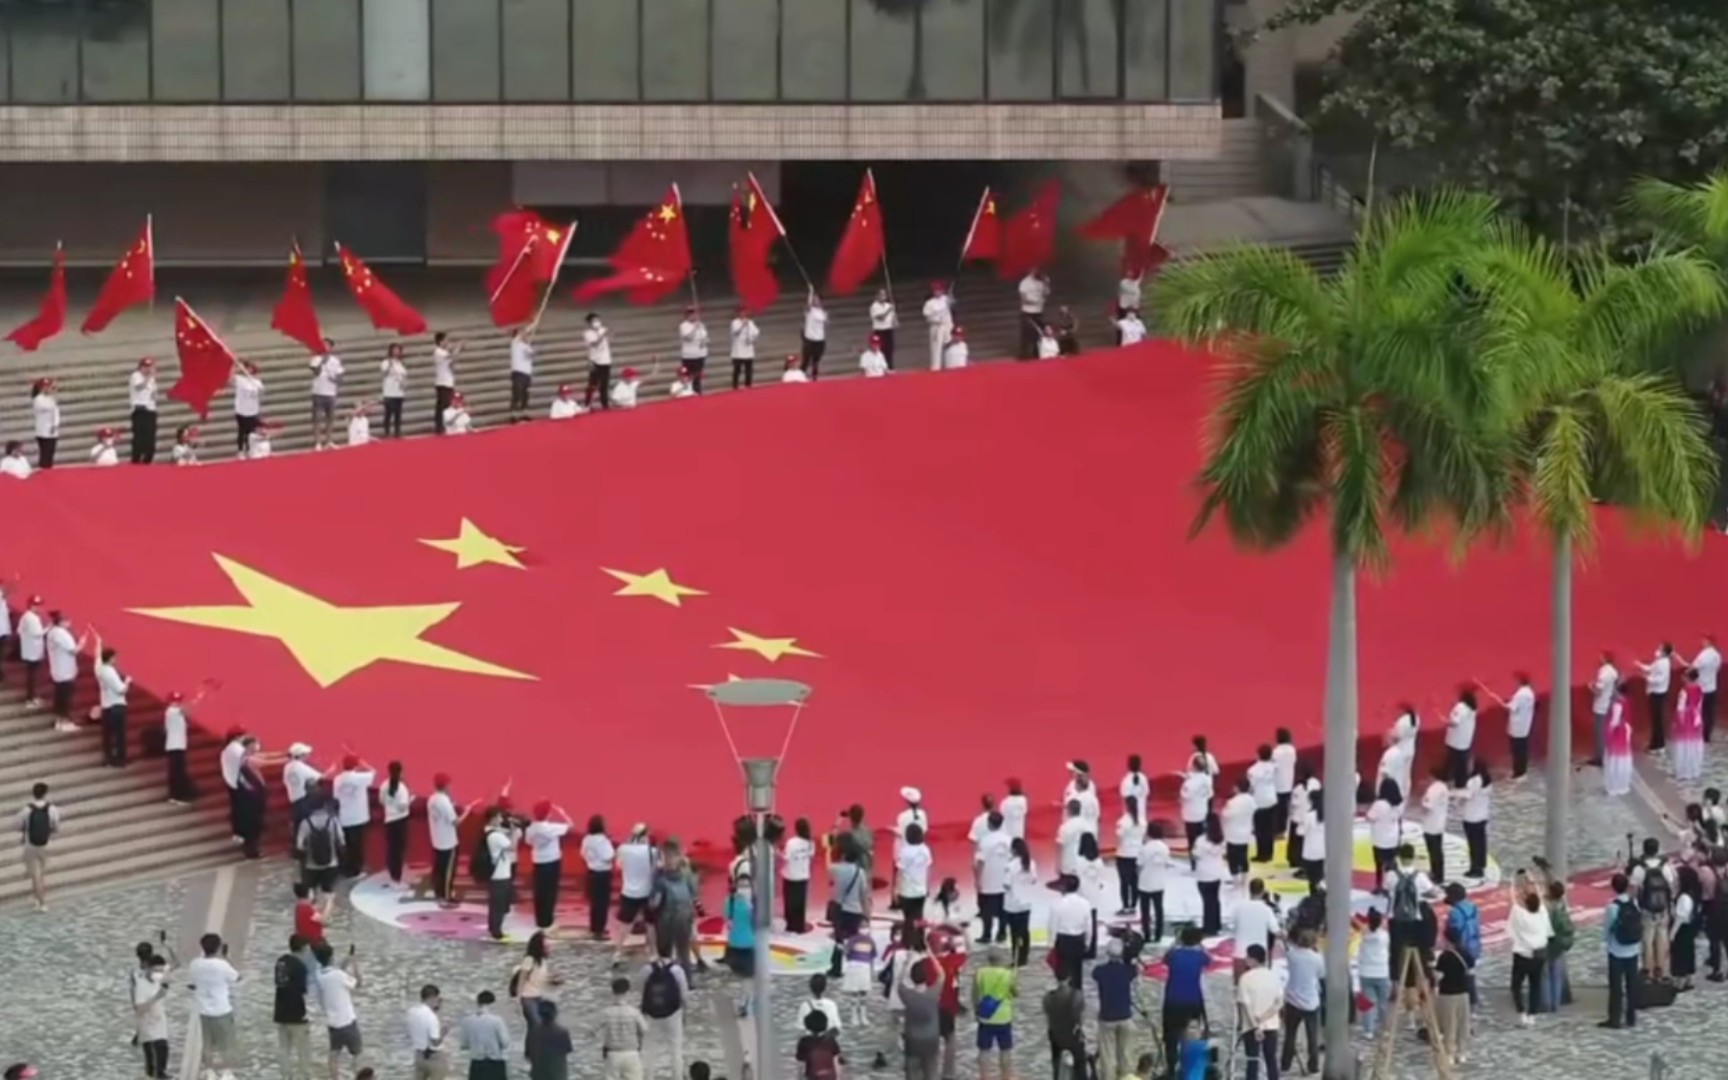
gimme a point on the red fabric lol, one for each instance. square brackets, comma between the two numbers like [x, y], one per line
[386, 310]
[522, 231]
[295, 316]
[132, 281]
[512, 290]
[653, 260]
[1133, 219]
[1029, 237]
[51, 316]
[206, 364]
[863, 247]
[752, 237]
[984, 238]
[308, 924]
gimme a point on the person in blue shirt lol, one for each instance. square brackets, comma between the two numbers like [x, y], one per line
[1115, 979]
[1184, 1001]
[741, 930]
[1622, 955]
[1195, 1055]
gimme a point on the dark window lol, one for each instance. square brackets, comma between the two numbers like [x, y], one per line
[604, 55]
[813, 56]
[44, 51]
[1088, 38]
[674, 50]
[887, 64]
[1147, 49]
[326, 50]
[746, 48]
[465, 50]
[1193, 50]
[396, 50]
[537, 50]
[255, 51]
[954, 49]
[1021, 51]
[117, 51]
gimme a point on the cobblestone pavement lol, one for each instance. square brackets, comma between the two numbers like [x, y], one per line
[64, 1005]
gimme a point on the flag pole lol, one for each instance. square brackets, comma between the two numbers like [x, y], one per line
[557, 268]
[887, 278]
[150, 244]
[966, 244]
[690, 278]
[510, 273]
[780, 227]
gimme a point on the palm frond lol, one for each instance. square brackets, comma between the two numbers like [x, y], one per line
[1635, 311]
[1258, 291]
[1695, 214]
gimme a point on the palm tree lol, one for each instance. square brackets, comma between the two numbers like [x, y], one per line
[1356, 401]
[1695, 215]
[1575, 349]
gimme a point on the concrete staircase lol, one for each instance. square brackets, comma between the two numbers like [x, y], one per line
[1241, 169]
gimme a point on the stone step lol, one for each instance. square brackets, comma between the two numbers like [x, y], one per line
[71, 875]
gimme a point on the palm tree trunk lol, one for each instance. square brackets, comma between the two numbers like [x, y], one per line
[1339, 799]
[1559, 773]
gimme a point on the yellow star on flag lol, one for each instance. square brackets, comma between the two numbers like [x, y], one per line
[472, 547]
[770, 649]
[331, 642]
[656, 583]
[668, 213]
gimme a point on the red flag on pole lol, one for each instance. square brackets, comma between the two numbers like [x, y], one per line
[752, 235]
[133, 281]
[386, 310]
[513, 293]
[206, 364]
[863, 246]
[1029, 237]
[984, 238]
[523, 234]
[51, 316]
[1134, 219]
[295, 316]
[653, 260]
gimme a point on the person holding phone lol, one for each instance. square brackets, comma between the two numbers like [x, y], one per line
[213, 980]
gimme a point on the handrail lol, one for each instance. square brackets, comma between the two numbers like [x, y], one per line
[1290, 143]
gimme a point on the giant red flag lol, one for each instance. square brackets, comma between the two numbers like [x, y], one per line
[1133, 219]
[51, 316]
[1029, 237]
[386, 310]
[133, 281]
[752, 234]
[206, 364]
[653, 260]
[863, 247]
[984, 238]
[294, 315]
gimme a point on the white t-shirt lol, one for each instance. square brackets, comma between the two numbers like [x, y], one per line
[1374, 955]
[522, 355]
[995, 853]
[1130, 836]
[31, 635]
[1658, 675]
[1133, 330]
[1128, 292]
[457, 421]
[873, 364]
[1139, 786]
[1237, 818]
[1049, 347]
[1209, 862]
[1263, 784]
[443, 367]
[956, 355]
[359, 430]
[1461, 727]
[441, 818]
[1196, 796]
[1154, 866]
[232, 757]
[635, 869]
[103, 453]
[1709, 665]
[173, 728]
[141, 391]
[794, 375]
[744, 335]
[326, 374]
[15, 465]
[546, 841]
[883, 316]
[1602, 689]
[1476, 800]
[248, 394]
[1023, 886]
[395, 374]
[1383, 823]
[1313, 838]
[111, 686]
[692, 340]
[46, 413]
[351, 788]
[336, 994]
[152, 1008]
[913, 863]
[799, 853]
[1033, 294]
[598, 852]
[1434, 805]
[1068, 836]
[816, 324]
[1088, 800]
[1256, 922]
[565, 408]
[297, 776]
[939, 311]
[397, 806]
[1261, 998]
[1521, 712]
[213, 979]
[501, 845]
[599, 342]
[62, 654]
[624, 393]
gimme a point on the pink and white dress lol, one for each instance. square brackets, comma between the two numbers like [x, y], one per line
[1617, 761]
[1687, 753]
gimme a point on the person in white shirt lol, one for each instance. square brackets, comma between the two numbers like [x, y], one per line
[913, 814]
[1153, 879]
[1529, 926]
[1520, 717]
[1260, 1006]
[186, 441]
[426, 1035]
[1602, 689]
[956, 354]
[112, 688]
[258, 444]
[693, 347]
[1236, 820]
[1461, 735]
[1128, 292]
[521, 372]
[503, 837]
[1081, 789]
[1263, 785]
[174, 743]
[353, 790]
[912, 861]
[872, 361]
[1034, 292]
[794, 370]
[1395, 765]
[443, 827]
[626, 390]
[1658, 676]
[14, 463]
[637, 858]
[565, 406]
[1708, 663]
[1476, 796]
[1386, 825]
[1204, 758]
[63, 650]
[301, 780]
[744, 333]
[1255, 922]
[397, 802]
[104, 454]
[683, 385]
[1195, 798]
[1014, 809]
[992, 852]
[796, 859]
[1130, 839]
[1022, 887]
[939, 318]
[213, 980]
[327, 374]
[1436, 800]
[815, 335]
[545, 837]
[248, 404]
[457, 421]
[444, 357]
[1313, 831]
[1130, 330]
[1072, 926]
[141, 395]
[32, 648]
[393, 373]
[359, 425]
[598, 855]
[150, 989]
[336, 985]
[1211, 867]
[598, 339]
[45, 416]
[884, 320]
[232, 761]
[1049, 344]
[1073, 829]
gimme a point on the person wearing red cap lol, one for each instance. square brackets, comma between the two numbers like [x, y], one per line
[872, 361]
[359, 424]
[174, 743]
[141, 392]
[598, 339]
[32, 642]
[957, 354]
[258, 441]
[794, 370]
[565, 406]
[456, 418]
[353, 790]
[104, 453]
[248, 404]
[627, 389]
[185, 450]
[683, 385]
[939, 317]
[545, 838]
[693, 346]
[13, 463]
[884, 320]
[45, 413]
[394, 372]
[744, 333]
[815, 334]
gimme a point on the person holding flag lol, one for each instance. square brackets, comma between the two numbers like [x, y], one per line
[939, 317]
[884, 320]
[815, 335]
[521, 371]
[141, 394]
[248, 404]
[693, 346]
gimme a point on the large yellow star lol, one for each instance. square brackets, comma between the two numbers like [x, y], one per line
[769, 649]
[475, 548]
[657, 583]
[329, 641]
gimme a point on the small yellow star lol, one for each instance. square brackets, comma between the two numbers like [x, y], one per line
[656, 583]
[474, 548]
[668, 213]
[770, 649]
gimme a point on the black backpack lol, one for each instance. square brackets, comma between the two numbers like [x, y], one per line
[40, 825]
[661, 995]
[320, 845]
[1406, 904]
[1628, 923]
[1655, 895]
[480, 861]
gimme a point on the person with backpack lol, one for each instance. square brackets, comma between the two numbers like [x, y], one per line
[1653, 881]
[1623, 939]
[495, 858]
[818, 1048]
[664, 988]
[320, 844]
[38, 822]
[532, 981]
[1405, 886]
[1464, 920]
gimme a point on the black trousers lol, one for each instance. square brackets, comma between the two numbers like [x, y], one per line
[1074, 1049]
[547, 877]
[1175, 1021]
[1193, 830]
[846, 924]
[1709, 712]
[1152, 916]
[695, 367]
[1527, 970]
[114, 735]
[396, 847]
[1211, 914]
[1436, 844]
[599, 901]
[599, 381]
[1314, 870]
[1070, 952]
[244, 426]
[1031, 329]
[234, 811]
[1127, 877]
[1307, 1022]
[499, 896]
[443, 872]
[45, 452]
[393, 417]
[520, 383]
[1019, 935]
[1236, 858]
[63, 700]
[442, 396]
[155, 1058]
[1281, 813]
[1622, 991]
[143, 436]
[31, 667]
[354, 850]
[795, 899]
[1476, 836]
[745, 370]
[1385, 858]
[1260, 1046]
[1520, 754]
[1458, 765]
[179, 781]
[887, 337]
[1658, 720]
[990, 911]
[251, 822]
[813, 351]
[1265, 831]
